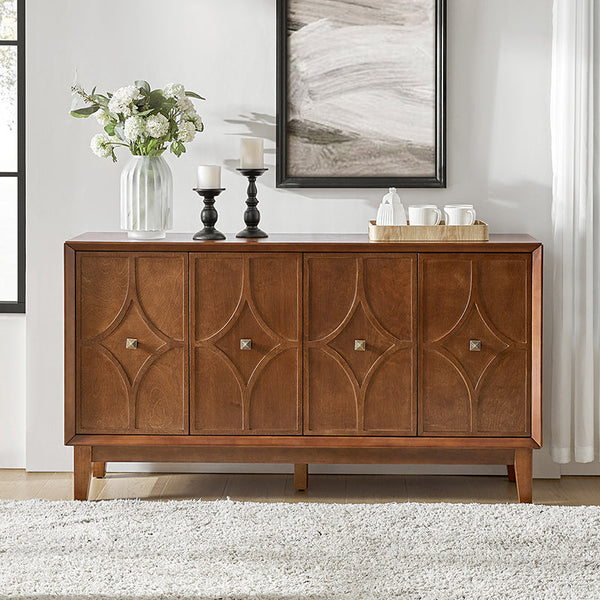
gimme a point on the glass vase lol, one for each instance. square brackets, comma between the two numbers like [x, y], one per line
[146, 197]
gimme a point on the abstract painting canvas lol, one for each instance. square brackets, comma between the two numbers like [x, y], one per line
[361, 99]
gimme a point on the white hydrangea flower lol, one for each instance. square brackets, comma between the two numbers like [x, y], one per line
[174, 90]
[186, 131]
[135, 127]
[197, 121]
[123, 99]
[186, 107]
[103, 118]
[192, 115]
[157, 125]
[101, 145]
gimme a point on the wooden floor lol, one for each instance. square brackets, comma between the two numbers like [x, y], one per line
[20, 485]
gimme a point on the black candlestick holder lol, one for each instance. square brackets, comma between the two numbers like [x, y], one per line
[209, 215]
[251, 214]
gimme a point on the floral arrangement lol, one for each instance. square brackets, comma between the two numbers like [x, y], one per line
[144, 120]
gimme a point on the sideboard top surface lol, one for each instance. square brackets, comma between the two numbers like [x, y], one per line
[295, 242]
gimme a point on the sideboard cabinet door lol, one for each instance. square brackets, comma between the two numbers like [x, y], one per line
[475, 344]
[131, 343]
[360, 344]
[246, 355]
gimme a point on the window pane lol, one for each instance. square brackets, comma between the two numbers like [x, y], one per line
[8, 239]
[8, 108]
[8, 19]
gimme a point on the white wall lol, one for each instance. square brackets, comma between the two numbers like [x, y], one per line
[498, 140]
[12, 391]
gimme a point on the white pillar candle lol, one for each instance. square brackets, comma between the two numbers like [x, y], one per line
[209, 177]
[252, 153]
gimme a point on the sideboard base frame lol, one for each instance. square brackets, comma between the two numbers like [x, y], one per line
[518, 458]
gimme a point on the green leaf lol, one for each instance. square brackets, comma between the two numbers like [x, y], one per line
[120, 131]
[177, 148]
[146, 112]
[99, 99]
[143, 85]
[156, 99]
[110, 128]
[84, 113]
[155, 147]
[194, 95]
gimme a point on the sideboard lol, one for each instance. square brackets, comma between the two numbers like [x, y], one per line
[303, 349]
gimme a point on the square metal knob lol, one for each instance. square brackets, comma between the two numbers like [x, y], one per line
[475, 345]
[360, 345]
[131, 344]
[245, 344]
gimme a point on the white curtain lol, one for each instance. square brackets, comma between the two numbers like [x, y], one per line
[575, 155]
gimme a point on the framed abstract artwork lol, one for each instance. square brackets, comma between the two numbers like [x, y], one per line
[361, 93]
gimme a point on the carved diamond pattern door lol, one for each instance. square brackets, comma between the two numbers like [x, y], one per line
[360, 344]
[132, 351]
[475, 351]
[246, 357]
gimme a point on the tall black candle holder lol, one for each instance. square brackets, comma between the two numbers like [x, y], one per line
[209, 215]
[251, 214]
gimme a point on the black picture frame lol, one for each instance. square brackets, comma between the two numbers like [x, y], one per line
[284, 180]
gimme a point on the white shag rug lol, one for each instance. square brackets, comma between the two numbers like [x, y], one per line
[234, 550]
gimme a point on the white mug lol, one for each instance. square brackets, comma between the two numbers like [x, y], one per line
[459, 214]
[427, 214]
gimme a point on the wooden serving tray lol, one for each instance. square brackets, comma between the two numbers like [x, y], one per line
[478, 232]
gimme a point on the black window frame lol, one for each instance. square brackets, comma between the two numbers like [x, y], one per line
[18, 306]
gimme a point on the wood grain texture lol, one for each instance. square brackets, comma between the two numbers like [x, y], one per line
[255, 297]
[342, 289]
[82, 471]
[99, 469]
[511, 472]
[297, 441]
[297, 242]
[70, 357]
[574, 491]
[349, 297]
[478, 232]
[300, 477]
[536, 343]
[486, 298]
[140, 296]
[524, 474]
[308, 455]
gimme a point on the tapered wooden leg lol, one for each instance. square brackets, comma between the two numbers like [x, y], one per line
[511, 472]
[82, 470]
[99, 469]
[524, 474]
[300, 477]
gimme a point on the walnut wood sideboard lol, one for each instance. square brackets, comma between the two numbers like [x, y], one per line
[303, 349]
